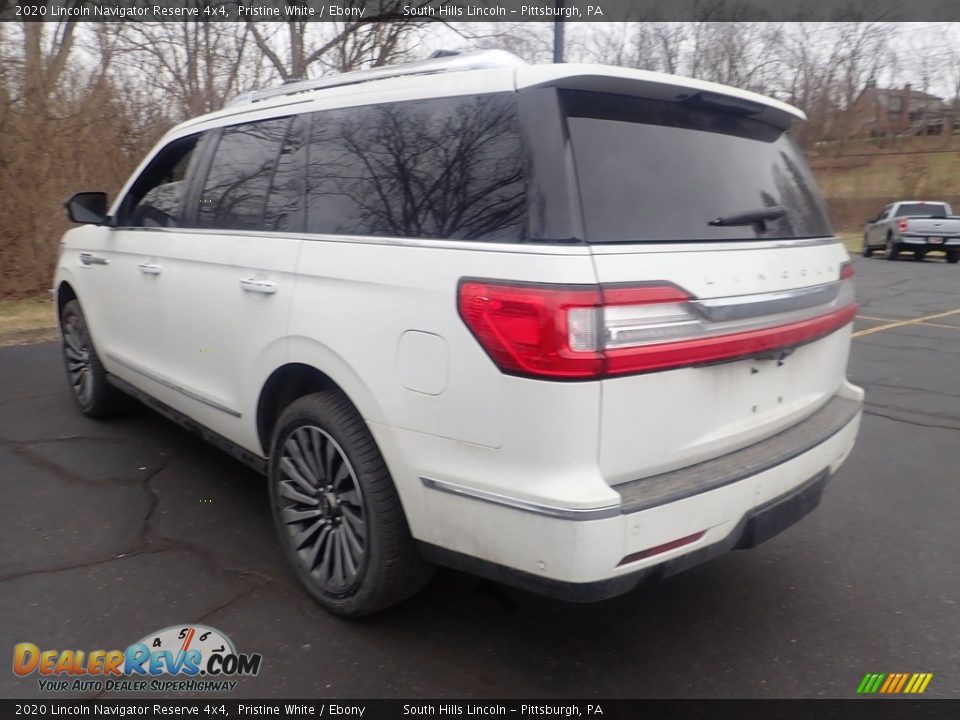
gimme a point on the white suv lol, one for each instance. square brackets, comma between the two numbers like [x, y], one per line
[563, 326]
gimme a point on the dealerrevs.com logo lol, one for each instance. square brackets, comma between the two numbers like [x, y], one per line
[184, 658]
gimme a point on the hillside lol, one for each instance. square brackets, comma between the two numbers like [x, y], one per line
[867, 176]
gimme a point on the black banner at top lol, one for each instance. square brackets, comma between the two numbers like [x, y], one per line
[478, 10]
[456, 709]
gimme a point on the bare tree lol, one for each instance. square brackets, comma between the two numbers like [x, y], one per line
[292, 48]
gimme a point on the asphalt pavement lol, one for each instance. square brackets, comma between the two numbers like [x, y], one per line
[111, 530]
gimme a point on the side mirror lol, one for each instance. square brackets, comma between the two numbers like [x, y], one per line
[87, 208]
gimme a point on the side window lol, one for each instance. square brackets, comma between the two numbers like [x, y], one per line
[284, 207]
[447, 168]
[235, 189]
[156, 198]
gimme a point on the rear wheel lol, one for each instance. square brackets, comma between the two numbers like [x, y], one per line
[96, 397]
[867, 251]
[953, 255]
[336, 509]
[893, 249]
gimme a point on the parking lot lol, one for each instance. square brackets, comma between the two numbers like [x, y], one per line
[111, 530]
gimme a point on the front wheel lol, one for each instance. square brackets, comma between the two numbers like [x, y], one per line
[867, 251]
[953, 255]
[336, 509]
[96, 397]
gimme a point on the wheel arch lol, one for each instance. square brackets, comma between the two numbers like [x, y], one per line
[65, 293]
[296, 378]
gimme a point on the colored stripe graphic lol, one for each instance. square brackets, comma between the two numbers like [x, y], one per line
[893, 683]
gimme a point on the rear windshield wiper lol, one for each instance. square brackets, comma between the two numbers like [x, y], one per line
[750, 217]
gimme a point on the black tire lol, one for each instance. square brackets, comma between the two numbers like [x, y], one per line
[337, 512]
[953, 255]
[893, 249]
[867, 250]
[96, 397]
[919, 254]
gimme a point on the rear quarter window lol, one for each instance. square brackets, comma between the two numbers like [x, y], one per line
[447, 168]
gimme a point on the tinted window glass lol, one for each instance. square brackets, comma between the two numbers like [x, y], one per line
[920, 209]
[445, 168]
[651, 170]
[156, 198]
[235, 191]
[284, 207]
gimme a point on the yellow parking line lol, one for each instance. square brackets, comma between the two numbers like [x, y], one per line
[940, 325]
[868, 317]
[901, 323]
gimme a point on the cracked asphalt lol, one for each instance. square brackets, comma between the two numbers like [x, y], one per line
[110, 530]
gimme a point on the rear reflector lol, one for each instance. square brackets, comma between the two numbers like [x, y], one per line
[574, 332]
[672, 545]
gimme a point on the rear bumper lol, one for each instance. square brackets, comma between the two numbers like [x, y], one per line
[587, 554]
[916, 241]
[757, 526]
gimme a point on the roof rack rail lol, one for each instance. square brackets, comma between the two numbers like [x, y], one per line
[442, 63]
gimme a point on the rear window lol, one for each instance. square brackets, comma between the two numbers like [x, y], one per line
[655, 171]
[921, 209]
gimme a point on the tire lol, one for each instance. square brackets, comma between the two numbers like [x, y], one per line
[953, 255]
[919, 254]
[94, 394]
[347, 541]
[867, 251]
[893, 249]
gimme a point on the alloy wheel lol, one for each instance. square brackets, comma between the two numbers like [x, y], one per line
[77, 351]
[321, 508]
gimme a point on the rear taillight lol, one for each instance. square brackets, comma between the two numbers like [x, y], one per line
[581, 332]
[902, 224]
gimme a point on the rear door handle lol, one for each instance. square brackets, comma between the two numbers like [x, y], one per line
[89, 259]
[150, 268]
[267, 287]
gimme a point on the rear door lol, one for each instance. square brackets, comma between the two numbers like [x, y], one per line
[730, 319]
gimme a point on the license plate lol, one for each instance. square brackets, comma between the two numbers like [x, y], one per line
[936, 240]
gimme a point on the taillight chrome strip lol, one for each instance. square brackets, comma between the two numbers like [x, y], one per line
[739, 307]
[724, 347]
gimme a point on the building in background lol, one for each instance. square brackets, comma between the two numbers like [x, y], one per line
[883, 112]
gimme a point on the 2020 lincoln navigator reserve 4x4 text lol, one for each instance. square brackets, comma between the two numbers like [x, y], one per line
[563, 326]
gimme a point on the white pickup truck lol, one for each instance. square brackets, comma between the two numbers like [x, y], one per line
[915, 225]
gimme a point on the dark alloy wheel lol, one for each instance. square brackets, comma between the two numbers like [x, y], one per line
[94, 394]
[867, 251]
[341, 524]
[321, 505]
[76, 353]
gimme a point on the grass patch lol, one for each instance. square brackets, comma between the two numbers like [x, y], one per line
[851, 241]
[29, 320]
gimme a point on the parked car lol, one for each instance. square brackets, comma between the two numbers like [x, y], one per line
[562, 326]
[918, 226]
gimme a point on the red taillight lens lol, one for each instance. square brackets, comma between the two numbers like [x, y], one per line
[588, 332]
[902, 224]
[525, 328]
